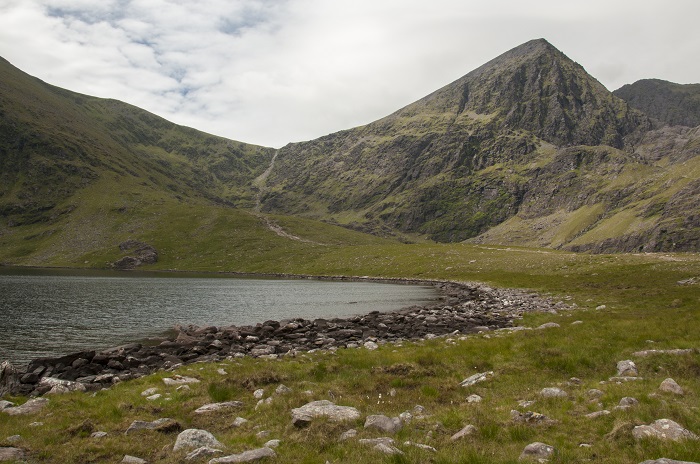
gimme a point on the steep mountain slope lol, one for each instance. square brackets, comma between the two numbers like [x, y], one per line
[528, 140]
[669, 103]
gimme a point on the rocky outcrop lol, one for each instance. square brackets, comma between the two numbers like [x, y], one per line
[303, 415]
[139, 253]
[462, 309]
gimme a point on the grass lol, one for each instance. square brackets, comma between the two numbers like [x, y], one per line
[643, 304]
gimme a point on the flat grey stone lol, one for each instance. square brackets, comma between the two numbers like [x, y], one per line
[376, 441]
[202, 452]
[670, 386]
[132, 460]
[548, 325]
[144, 425]
[476, 378]
[468, 430]
[11, 454]
[383, 423]
[597, 414]
[213, 407]
[540, 452]
[60, 386]
[30, 407]
[553, 392]
[246, 456]
[387, 449]
[348, 434]
[179, 380]
[666, 461]
[323, 408]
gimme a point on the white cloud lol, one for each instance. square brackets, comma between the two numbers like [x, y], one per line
[277, 71]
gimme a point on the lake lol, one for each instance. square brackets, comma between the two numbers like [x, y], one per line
[56, 312]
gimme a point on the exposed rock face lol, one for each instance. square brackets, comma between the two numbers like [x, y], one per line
[9, 378]
[667, 102]
[140, 253]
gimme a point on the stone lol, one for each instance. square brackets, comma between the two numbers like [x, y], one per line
[196, 438]
[164, 425]
[474, 399]
[179, 380]
[6, 404]
[36, 424]
[663, 429]
[670, 386]
[282, 390]
[149, 392]
[539, 452]
[376, 441]
[371, 345]
[272, 444]
[183, 388]
[531, 418]
[259, 393]
[246, 456]
[214, 407]
[594, 393]
[13, 439]
[468, 430]
[99, 434]
[548, 325]
[30, 407]
[553, 392]
[599, 307]
[526, 403]
[58, 386]
[653, 352]
[323, 408]
[390, 425]
[263, 434]
[202, 452]
[387, 449]
[348, 434]
[9, 378]
[627, 368]
[597, 414]
[420, 446]
[155, 397]
[11, 454]
[132, 460]
[476, 378]
[221, 371]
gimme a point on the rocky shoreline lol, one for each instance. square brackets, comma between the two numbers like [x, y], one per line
[462, 308]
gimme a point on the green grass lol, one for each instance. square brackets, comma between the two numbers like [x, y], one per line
[643, 304]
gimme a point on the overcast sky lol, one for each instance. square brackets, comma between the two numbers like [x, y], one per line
[277, 71]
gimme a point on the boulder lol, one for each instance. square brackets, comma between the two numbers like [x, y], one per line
[663, 429]
[390, 425]
[465, 432]
[540, 452]
[196, 438]
[666, 461]
[627, 368]
[348, 434]
[57, 386]
[670, 386]
[304, 415]
[11, 454]
[201, 453]
[164, 425]
[553, 392]
[179, 380]
[246, 456]
[30, 407]
[9, 378]
[132, 460]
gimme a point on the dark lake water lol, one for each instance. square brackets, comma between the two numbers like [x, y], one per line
[50, 313]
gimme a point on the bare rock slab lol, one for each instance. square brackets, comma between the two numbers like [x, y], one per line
[476, 378]
[11, 454]
[132, 460]
[663, 429]
[30, 407]
[465, 432]
[390, 425]
[323, 408]
[213, 407]
[666, 461]
[553, 392]
[246, 456]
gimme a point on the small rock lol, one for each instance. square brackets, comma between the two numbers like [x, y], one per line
[537, 451]
[387, 449]
[154, 397]
[594, 393]
[263, 434]
[626, 403]
[385, 424]
[595, 415]
[259, 393]
[670, 386]
[525, 403]
[282, 390]
[239, 422]
[149, 392]
[663, 429]
[599, 307]
[465, 432]
[213, 407]
[99, 434]
[183, 388]
[272, 444]
[30, 407]
[476, 378]
[58, 386]
[553, 392]
[577, 323]
[323, 408]
[132, 460]
[196, 438]
[352, 433]
[202, 452]
[13, 439]
[164, 425]
[474, 399]
[221, 371]
[376, 441]
[548, 325]
[666, 461]
[36, 424]
[674, 352]
[531, 418]
[406, 417]
[371, 346]
[421, 446]
[179, 380]
[6, 404]
[627, 368]
[246, 456]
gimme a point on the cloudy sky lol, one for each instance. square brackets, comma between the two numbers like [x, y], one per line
[277, 71]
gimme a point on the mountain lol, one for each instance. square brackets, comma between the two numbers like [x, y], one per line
[528, 142]
[528, 149]
[669, 103]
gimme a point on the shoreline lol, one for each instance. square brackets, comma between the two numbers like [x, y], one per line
[462, 308]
